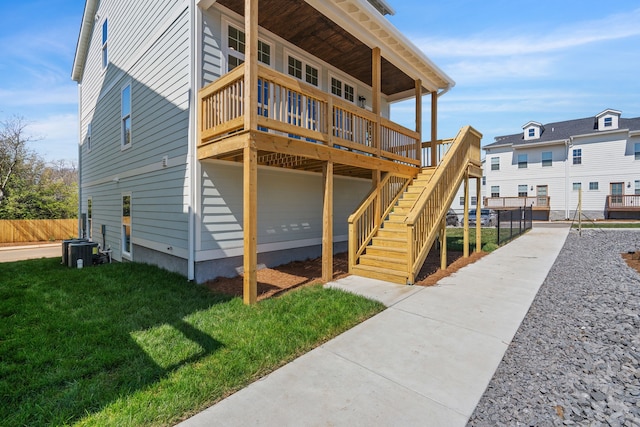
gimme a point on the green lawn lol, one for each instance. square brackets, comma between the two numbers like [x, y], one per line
[455, 239]
[130, 344]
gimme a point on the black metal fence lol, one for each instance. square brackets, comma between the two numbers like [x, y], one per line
[513, 222]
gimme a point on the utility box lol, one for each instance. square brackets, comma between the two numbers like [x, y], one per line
[81, 250]
[65, 249]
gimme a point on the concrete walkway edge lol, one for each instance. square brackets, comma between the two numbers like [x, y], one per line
[425, 361]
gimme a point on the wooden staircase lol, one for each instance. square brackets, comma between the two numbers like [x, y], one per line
[393, 230]
[386, 257]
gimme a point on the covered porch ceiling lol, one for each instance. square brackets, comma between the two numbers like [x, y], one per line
[301, 24]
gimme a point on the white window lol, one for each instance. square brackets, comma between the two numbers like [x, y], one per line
[461, 200]
[302, 70]
[577, 186]
[593, 185]
[236, 45]
[89, 137]
[522, 190]
[125, 120]
[577, 156]
[495, 191]
[342, 89]
[295, 67]
[636, 150]
[105, 37]
[474, 201]
[547, 158]
[126, 225]
[608, 122]
[522, 161]
[637, 187]
[532, 132]
[495, 163]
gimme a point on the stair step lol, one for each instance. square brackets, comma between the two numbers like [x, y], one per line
[396, 264]
[395, 253]
[394, 225]
[397, 217]
[409, 196]
[380, 274]
[390, 242]
[392, 234]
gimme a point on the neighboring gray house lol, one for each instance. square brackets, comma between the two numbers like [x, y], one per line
[549, 166]
[175, 171]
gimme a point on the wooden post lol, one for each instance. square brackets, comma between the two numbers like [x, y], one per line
[419, 120]
[434, 128]
[465, 238]
[250, 222]
[251, 65]
[443, 244]
[376, 83]
[478, 206]
[376, 178]
[327, 222]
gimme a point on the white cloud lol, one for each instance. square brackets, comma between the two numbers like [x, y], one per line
[513, 42]
[56, 137]
[64, 94]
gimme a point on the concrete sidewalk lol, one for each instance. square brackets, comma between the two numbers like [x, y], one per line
[425, 361]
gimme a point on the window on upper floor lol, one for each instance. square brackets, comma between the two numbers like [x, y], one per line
[484, 180]
[495, 163]
[637, 187]
[593, 185]
[474, 200]
[302, 71]
[89, 137]
[547, 158]
[461, 200]
[125, 118]
[522, 190]
[342, 89]
[577, 156]
[608, 122]
[295, 68]
[522, 161]
[532, 132]
[236, 45]
[495, 191]
[577, 186]
[105, 37]
[636, 150]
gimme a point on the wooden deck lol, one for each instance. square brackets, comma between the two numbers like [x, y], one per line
[623, 203]
[538, 203]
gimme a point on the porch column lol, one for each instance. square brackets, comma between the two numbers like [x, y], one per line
[376, 85]
[251, 64]
[465, 238]
[419, 120]
[250, 222]
[434, 128]
[478, 206]
[327, 222]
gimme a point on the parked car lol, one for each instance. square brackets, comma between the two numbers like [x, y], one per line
[452, 218]
[488, 217]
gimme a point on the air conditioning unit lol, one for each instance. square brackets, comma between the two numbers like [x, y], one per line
[81, 250]
[65, 249]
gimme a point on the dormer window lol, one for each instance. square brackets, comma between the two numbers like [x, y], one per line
[532, 133]
[532, 130]
[608, 120]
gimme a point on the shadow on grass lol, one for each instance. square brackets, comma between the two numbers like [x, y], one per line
[72, 341]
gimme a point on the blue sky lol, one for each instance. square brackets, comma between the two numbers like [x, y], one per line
[512, 62]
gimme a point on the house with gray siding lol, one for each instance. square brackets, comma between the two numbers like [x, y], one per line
[591, 163]
[216, 135]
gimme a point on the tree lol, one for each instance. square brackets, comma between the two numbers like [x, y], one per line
[13, 149]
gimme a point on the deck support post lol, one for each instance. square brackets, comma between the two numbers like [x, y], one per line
[250, 156]
[443, 243]
[478, 206]
[327, 222]
[434, 128]
[250, 223]
[376, 86]
[419, 120]
[465, 239]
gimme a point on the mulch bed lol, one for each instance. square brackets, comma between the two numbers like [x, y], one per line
[275, 281]
[633, 260]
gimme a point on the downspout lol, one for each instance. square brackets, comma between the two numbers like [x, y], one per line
[79, 159]
[568, 144]
[191, 159]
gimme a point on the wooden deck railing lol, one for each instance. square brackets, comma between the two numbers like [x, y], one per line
[537, 202]
[289, 107]
[627, 202]
[424, 219]
[442, 147]
[365, 222]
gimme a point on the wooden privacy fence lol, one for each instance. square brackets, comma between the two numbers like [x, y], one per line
[37, 230]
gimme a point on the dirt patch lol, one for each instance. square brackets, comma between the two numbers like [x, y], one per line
[274, 281]
[633, 260]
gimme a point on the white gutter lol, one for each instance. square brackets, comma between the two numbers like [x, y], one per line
[82, 47]
[191, 135]
[79, 159]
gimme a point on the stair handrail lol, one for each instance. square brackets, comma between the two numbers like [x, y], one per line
[365, 222]
[433, 202]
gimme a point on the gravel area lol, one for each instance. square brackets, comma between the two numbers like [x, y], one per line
[575, 359]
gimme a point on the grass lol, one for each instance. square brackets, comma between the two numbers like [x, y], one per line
[455, 239]
[131, 344]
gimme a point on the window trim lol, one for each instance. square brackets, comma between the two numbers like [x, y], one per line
[523, 164]
[525, 192]
[304, 63]
[496, 193]
[495, 166]
[607, 121]
[125, 253]
[576, 155]
[636, 188]
[226, 23]
[546, 162]
[576, 186]
[89, 217]
[345, 82]
[123, 117]
[594, 186]
[636, 150]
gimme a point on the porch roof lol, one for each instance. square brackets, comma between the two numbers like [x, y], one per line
[342, 33]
